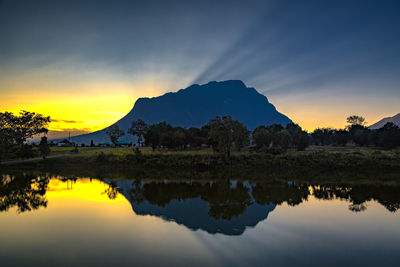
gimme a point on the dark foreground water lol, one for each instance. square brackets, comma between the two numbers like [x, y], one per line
[87, 222]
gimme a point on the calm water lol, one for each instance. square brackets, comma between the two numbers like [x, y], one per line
[87, 222]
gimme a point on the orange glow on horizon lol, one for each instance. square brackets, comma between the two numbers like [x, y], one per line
[88, 106]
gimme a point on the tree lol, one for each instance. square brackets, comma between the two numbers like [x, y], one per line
[167, 139]
[322, 136]
[15, 130]
[261, 137]
[114, 133]
[283, 138]
[6, 141]
[91, 143]
[44, 147]
[388, 136]
[298, 138]
[224, 132]
[274, 129]
[340, 137]
[154, 133]
[138, 128]
[24, 126]
[356, 120]
[179, 137]
[360, 134]
[196, 137]
[240, 135]
[19, 128]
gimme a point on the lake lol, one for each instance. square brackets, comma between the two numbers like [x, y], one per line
[55, 221]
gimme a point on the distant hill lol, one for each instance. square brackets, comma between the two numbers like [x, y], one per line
[395, 119]
[52, 135]
[197, 105]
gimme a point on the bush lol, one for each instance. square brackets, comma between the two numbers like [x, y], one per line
[101, 157]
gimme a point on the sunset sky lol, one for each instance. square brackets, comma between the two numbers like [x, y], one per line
[84, 63]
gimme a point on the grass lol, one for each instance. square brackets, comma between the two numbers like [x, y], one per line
[68, 150]
[367, 166]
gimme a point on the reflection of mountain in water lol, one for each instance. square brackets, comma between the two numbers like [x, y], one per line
[193, 213]
[216, 207]
[197, 206]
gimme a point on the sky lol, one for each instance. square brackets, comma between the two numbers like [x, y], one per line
[84, 63]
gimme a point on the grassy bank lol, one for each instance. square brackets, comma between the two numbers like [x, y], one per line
[368, 166]
[324, 160]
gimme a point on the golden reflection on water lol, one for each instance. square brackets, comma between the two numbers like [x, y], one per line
[84, 189]
[81, 223]
[80, 216]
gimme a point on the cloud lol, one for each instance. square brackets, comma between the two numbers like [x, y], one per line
[61, 134]
[76, 130]
[65, 121]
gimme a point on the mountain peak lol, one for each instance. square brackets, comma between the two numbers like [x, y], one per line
[197, 104]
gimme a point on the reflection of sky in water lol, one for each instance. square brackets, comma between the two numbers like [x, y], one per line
[82, 225]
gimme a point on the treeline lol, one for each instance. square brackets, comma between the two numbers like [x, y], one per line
[358, 134]
[27, 192]
[223, 134]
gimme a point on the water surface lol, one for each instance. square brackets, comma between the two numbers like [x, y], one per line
[68, 222]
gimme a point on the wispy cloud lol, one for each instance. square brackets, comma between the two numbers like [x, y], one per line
[66, 121]
[82, 130]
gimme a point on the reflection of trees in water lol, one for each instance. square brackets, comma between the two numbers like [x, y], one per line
[26, 192]
[357, 207]
[387, 196]
[112, 191]
[278, 193]
[225, 201]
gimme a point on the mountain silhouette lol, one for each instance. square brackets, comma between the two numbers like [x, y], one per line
[395, 119]
[195, 106]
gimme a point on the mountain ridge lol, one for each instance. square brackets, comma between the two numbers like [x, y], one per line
[195, 106]
[395, 119]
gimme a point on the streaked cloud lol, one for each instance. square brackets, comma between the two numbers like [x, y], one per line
[65, 121]
[88, 61]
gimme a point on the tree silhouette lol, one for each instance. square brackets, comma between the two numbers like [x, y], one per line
[44, 147]
[298, 138]
[356, 120]
[24, 126]
[388, 136]
[15, 130]
[114, 133]
[138, 128]
[261, 137]
[224, 132]
[154, 134]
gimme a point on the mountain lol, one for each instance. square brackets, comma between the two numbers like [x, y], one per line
[197, 105]
[395, 119]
